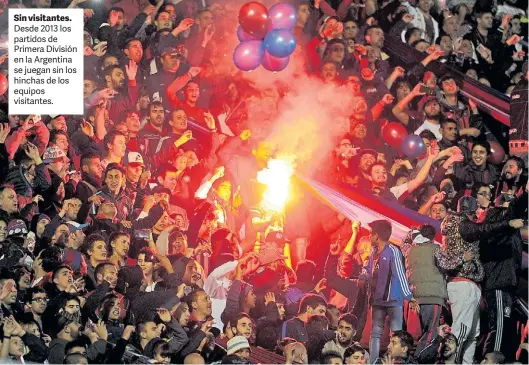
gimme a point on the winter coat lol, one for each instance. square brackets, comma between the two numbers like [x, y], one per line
[501, 253]
[22, 186]
[429, 282]
[463, 235]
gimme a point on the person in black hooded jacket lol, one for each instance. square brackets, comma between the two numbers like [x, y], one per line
[501, 255]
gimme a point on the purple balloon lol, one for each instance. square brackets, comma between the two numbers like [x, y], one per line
[243, 36]
[283, 16]
[248, 55]
[413, 146]
[274, 64]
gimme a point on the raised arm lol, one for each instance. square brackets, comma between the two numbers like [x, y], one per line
[400, 110]
[433, 151]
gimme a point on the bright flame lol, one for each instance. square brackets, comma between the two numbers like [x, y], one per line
[276, 177]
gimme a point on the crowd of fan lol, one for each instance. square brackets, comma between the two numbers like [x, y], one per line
[135, 234]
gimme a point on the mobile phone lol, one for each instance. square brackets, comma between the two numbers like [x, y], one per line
[480, 47]
[426, 90]
[142, 234]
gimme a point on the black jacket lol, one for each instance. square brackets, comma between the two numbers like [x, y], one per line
[22, 186]
[501, 253]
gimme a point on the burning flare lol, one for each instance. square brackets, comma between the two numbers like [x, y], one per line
[276, 177]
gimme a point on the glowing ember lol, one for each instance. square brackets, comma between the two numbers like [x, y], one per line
[276, 177]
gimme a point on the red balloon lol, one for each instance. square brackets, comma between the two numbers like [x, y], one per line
[253, 18]
[274, 64]
[394, 133]
[3, 84]
[497, 153]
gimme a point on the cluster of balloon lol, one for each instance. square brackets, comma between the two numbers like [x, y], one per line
[266, 36]
[3, 84]
[395, 135]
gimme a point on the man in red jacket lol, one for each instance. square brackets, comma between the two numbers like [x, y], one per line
[115, 80]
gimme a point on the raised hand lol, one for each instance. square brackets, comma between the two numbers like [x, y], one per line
[149, 10]
[32, 151]
[320, 286]
[185, 24]
[101, 330]
[407, 18]
[505, 21]
[100, 49]
[513, 40]
[87, 128]
[437, 54]
[433, 150]
[88, 13]
[439, 197]
[210, 120]
[194, 71]
[208, 34]
[6, 289]
[30, 122]
[131, 69]
[144, 179]
[164, 315]
[269, 297]
[399, 71]
[417, 89]
[88, 51]
[180, 291]
[10, 326]
[4, 131]
[388, 99]
[335, 248]
[128, 331]
[360, 49]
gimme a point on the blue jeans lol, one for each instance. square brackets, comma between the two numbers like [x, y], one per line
[378, 317]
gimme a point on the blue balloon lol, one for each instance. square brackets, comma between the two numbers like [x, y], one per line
[413, 146]
[280, 43]
[248, 55]
[243, 36]
[283, 16]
